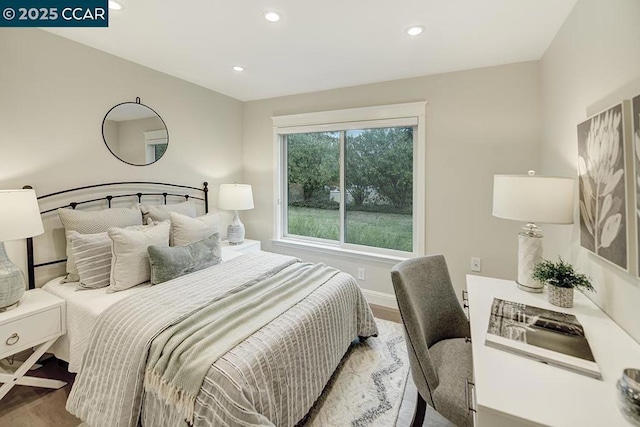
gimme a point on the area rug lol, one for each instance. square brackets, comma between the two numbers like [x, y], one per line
[368, 386]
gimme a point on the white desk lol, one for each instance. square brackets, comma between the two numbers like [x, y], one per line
[511, 390]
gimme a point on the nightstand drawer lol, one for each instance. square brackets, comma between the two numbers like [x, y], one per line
[29, 331]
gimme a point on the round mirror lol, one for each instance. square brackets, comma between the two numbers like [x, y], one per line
[135, 134]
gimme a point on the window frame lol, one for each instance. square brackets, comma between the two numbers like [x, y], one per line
[395, 115]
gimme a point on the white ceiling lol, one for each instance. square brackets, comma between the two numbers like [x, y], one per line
[322, 44]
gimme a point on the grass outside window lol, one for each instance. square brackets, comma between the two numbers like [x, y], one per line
[375, 229]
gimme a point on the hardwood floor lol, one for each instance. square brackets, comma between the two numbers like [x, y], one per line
[37, 407]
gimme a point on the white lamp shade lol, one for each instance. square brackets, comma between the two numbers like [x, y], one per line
[19, 215]
[235, 197]
[533, 198]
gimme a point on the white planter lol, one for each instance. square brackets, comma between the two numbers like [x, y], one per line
[562, 297]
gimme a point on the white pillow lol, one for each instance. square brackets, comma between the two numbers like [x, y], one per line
[92, 222]
[129, 259]
[161, 213]
[92, 255]
[186, 230]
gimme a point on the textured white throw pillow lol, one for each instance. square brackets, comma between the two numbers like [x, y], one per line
[92, 222]
[161, 213]
[186, 230]
[92, 255]
[129, 259]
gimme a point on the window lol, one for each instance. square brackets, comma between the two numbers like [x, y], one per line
[313, 181]
[156, 142]
[350, 184]
[379, 188]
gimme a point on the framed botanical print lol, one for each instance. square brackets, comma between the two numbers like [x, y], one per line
[635, 140]
[603, 199]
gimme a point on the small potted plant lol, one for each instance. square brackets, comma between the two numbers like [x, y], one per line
[561, 279]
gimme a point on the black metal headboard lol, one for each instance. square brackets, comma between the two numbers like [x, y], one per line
[31, 266]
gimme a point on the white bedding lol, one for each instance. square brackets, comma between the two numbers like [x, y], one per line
[272, 377]
[83, 308]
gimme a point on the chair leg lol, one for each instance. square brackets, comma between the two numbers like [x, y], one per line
[421, 409]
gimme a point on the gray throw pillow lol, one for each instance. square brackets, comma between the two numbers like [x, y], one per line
[170, 262]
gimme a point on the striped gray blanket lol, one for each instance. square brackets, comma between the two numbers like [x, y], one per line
[270, 378]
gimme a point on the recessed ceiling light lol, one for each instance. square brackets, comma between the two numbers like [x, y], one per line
[272, 16]
[414, 30]
[114, 5]
[238, 68]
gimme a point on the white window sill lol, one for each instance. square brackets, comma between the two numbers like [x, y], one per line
[318, 248]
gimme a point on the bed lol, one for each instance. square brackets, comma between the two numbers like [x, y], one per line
[277, 329]
[83, 308]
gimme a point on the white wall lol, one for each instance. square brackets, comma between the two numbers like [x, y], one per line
[54, 96]
[479, 123]
[593, 63]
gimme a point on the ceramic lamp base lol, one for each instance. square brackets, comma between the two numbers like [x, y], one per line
[529, 254]
[12, 283]
[235, 234]
[9, 307]
[235, 231]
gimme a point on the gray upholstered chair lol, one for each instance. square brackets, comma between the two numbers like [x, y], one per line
[435, 327]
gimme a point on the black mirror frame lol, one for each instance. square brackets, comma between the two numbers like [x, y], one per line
[137, 101]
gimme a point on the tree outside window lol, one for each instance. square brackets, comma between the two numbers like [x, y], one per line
[378, 186]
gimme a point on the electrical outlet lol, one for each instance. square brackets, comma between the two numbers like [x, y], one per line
[476, 264]
[361, 274]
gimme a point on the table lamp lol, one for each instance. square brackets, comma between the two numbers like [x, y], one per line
[19, 219]
[235, 197]
[532, 199]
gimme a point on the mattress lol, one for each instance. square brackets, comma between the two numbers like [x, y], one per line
[83, 306]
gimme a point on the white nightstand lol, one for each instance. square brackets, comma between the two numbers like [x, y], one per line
[245, 247]
[37, 322]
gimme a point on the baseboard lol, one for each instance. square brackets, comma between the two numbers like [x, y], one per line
[386, 313]
[380, 298]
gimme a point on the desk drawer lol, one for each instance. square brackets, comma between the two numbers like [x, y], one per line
[29, 331]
